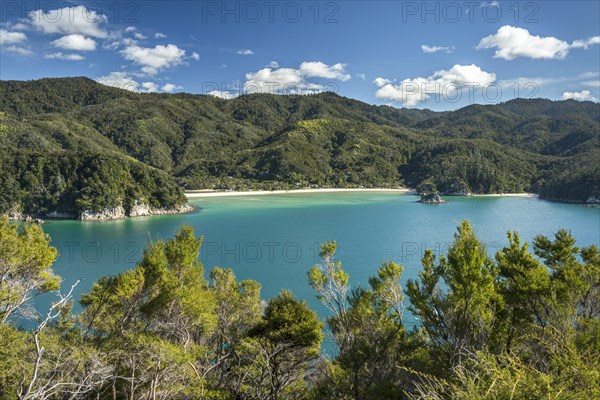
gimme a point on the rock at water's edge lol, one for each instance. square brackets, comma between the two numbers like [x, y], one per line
[103, 215]
[431, 198]
[139, 210]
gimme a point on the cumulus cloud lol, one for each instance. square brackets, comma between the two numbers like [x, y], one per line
[294, 80]
[119, 80]
[584, 44]
[318, 69]
[170, 87]
[435, 49]
[159, 35]
[272, 80]
[272, 64]
[124, 80]
[75, 42]
[18, 50]
[223, 94]
[381, 81]
[584, 95]
[63, 56]
[152, 60]
[245, 52]
[69, 20]
[7, 37]
[413, 91]
[195, 56]
[150, 87]
[511, 42]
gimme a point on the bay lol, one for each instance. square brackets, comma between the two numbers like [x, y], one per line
[274, 239]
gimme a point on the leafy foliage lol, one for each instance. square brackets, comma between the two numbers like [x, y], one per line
[519, 325]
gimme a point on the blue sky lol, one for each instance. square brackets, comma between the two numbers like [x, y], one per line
[437, 55]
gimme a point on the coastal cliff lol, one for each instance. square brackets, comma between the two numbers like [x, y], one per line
[107, 214]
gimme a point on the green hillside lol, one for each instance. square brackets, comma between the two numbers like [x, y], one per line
[72, 144]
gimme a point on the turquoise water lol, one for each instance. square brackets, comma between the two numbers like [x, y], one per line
[274, 238]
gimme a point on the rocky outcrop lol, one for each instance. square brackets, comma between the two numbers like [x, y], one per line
[108, 214]
[431, 198]
[144, 210]
[593, 200]
[16, 215]
[138, 210]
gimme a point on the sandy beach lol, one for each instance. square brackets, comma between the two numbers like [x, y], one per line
[194, 194]
[506, 195]
[197, 194]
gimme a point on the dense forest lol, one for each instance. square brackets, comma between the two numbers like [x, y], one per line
[521, 324]
[70, 145]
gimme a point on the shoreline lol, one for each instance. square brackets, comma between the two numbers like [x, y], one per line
[198, 194]
[524, 194]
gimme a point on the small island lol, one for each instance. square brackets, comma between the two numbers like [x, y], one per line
[431, 198]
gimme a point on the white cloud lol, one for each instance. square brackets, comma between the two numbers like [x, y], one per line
[130, 29]
[413, 91]
[272, 64]
[19, 26]
[584, 44]
[119, 80]
[170, 87]
[592, 83]
[195, 56]
[69, 20]
[19, 50]
[7, 37]
[160, 35]
[150, 87]
[381, 81]
[294, 80]
[511, 42]
[139, 36]
[584, 95]
[362, 76]
[76, 42]
[245, 52]
[318, 69]
[154, 59]
[124, 80]
[63, 56]
[435, 49]
[269, 80]
[589, 74]
[223, 94]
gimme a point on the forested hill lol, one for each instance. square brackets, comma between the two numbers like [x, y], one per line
[72, 144]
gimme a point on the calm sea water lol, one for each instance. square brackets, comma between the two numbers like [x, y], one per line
[273, 239]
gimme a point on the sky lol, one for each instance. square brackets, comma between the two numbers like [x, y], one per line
[438, 55]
